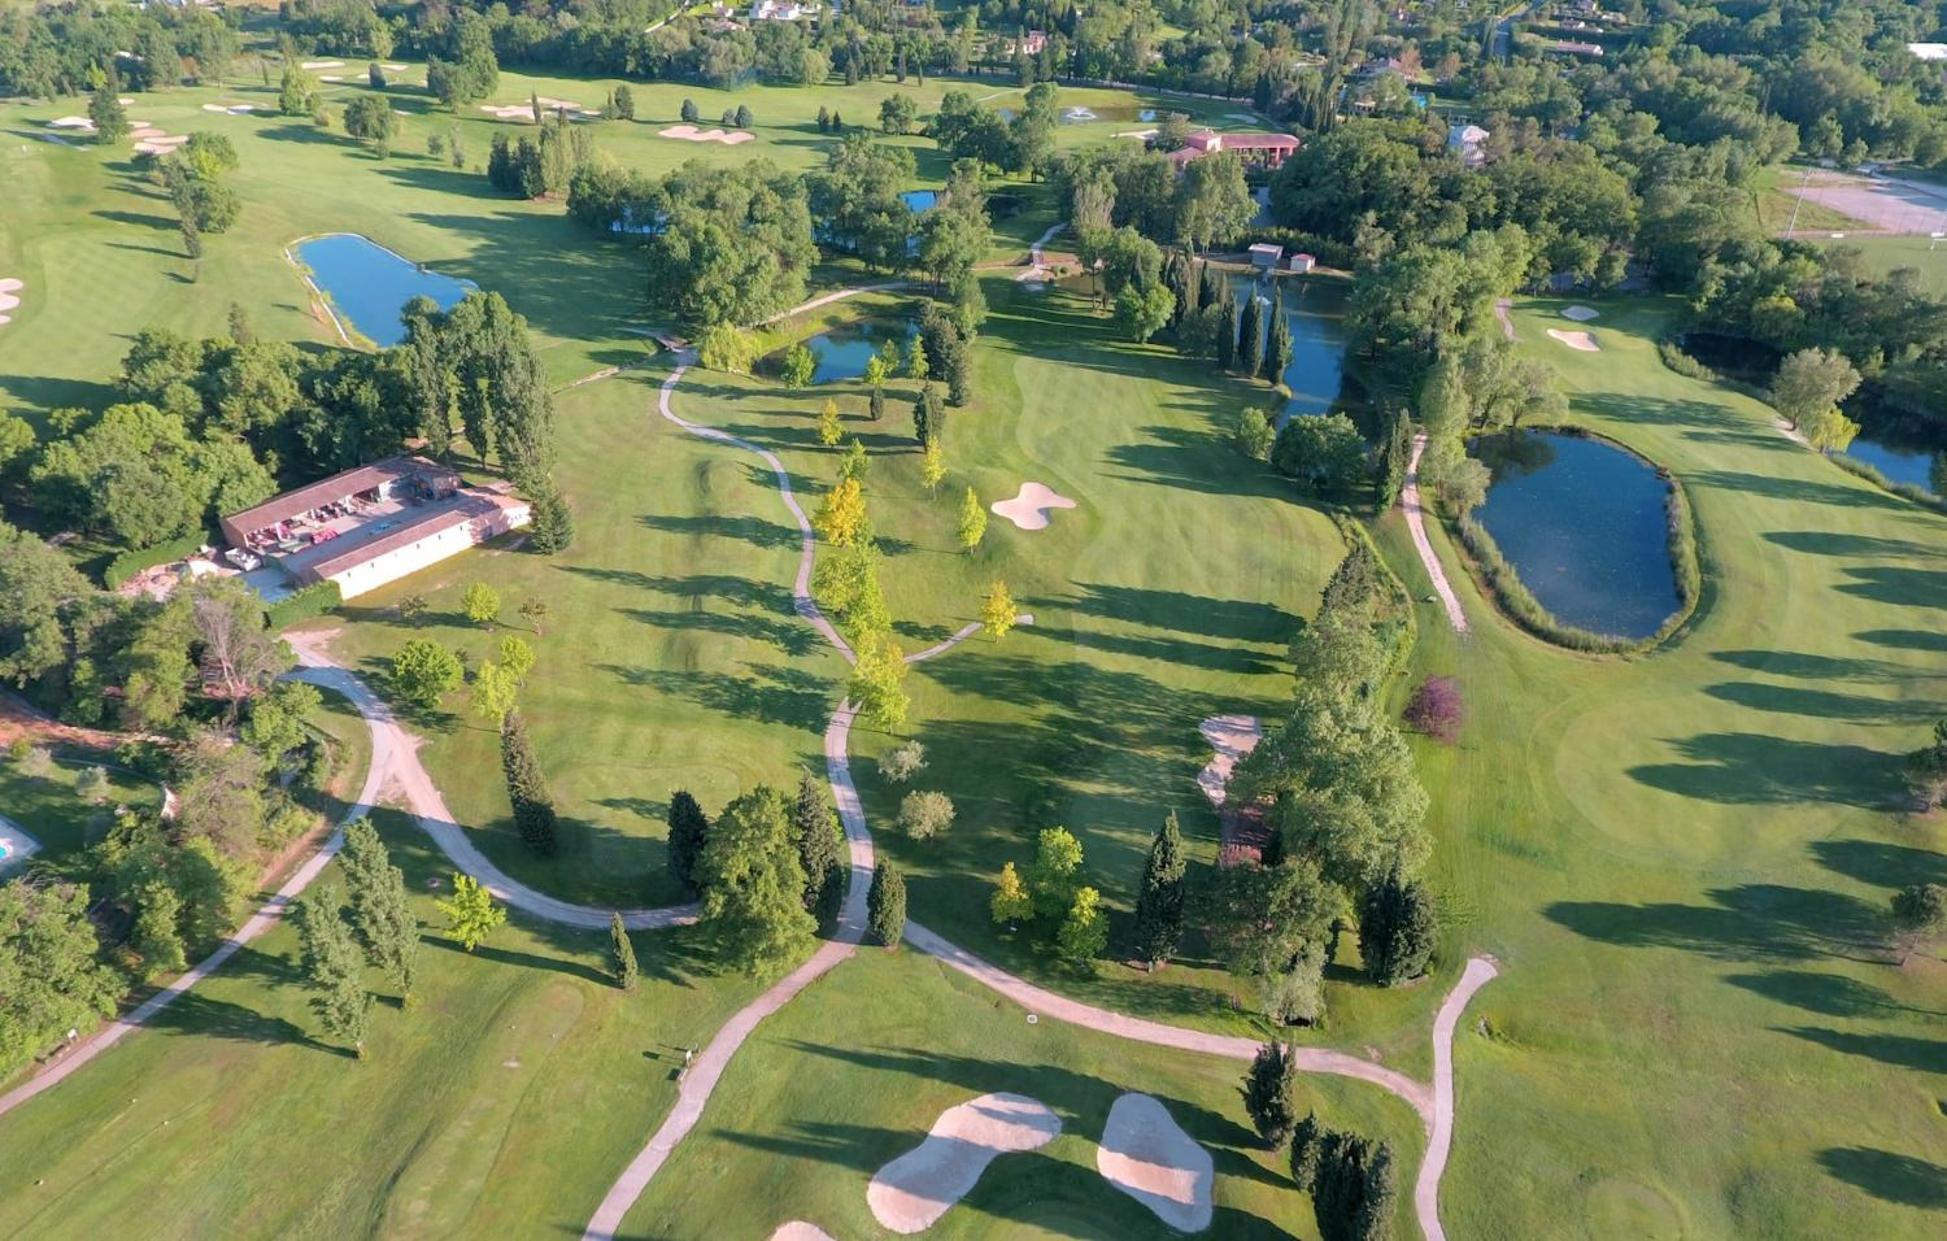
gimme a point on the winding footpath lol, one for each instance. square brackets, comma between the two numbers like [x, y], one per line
[396, 770]
[1409, 501]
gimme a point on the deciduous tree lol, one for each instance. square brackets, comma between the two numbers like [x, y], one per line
[471, 913]
[997, 614]
[754, 884]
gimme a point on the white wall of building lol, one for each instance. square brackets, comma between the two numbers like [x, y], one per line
[371, 574]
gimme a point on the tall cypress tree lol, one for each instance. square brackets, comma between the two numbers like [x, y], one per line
[885, 905]
[1270, 1090]
[624, 952]
[380, 916]
[1277, 346]
[1390, 467]
[330, 961]
[1250, 336]
[1396, 929]
[817, 839]
[689, 829]
[1226, 303]
[1159, 906]
[527, 788]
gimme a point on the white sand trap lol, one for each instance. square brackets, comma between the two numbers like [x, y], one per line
[690, 133]
[126, 103]
[10, 288]
[1147, 1156]
[1581, 314]
[71, 122]
[141, 132]
[798, 1230]
[525, 111]
[233, 109]
[911, 1193]
[1576, 340]
[324, 64]
[1232, 737]
[391, 68]
[1029, 508]
[331, 77]
[167, 144]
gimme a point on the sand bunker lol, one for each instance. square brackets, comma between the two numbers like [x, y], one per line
[1581, 314]
[525, 111]
[9, 298]
[159, 143]
[1029, 508]
[324, 64]
[690, 133]
[911, 1193]
[798, 1230]
[1232, 737]
[1576, 340]
[234, 109]
[126, 103]
[1147, 1156]
[72, 122]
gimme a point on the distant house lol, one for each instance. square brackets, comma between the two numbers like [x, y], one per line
[1257, 150]
[1265, 255]
[364, 527]
[1465, 142]
[782, 10]
[1572, 47]
[1030, 44]
[1302, 262]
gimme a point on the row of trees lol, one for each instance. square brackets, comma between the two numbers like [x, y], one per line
[1352, 1179]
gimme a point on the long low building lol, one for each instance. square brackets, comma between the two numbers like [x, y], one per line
[371, 525]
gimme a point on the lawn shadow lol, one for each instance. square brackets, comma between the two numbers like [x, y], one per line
[1906, 639]
[1829, 995]
[1756, 769]
[197, 1013]
[524, 960]
[1819, 704]
[1889, 1176]
[1751, 922]
[1926, 1054]
[1879, 863]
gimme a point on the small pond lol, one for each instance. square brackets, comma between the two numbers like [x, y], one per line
[369, 285]
[842, 353]
[1900, 462]
[1586, 525]
[920, 200]
[1315, 312]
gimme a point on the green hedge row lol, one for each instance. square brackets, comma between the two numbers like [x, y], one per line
[130, 563]
[302, 605]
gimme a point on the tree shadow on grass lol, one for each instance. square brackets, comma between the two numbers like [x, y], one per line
[1796, 490]
[791, 636]
[1808, 666]
[1926, 1054]
[753, 530]
[197, 1013]
[771, 695]
[1833, 543]
[1889, 1176]
[1752, 769]
[1236, 619]
[1906, 639]
[1180, 457]
[1920, 588]
[1819, 704]
[1829, 995]
[1751, 922]
[524, 960]
[1876, 862]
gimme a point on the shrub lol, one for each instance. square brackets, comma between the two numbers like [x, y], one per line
[1253, 435]
[725, 347]
[1436, 709]
[37, 763]
[303, 604]
[129, 563]
[91, 785]
[926, 815]
[903, 763]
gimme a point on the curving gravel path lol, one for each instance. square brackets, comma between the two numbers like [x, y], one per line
[1409, 501]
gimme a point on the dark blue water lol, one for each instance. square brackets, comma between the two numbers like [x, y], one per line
[369, 285]
[1586, 526]
[1914, 466]
[1315, 311]
[842, 353]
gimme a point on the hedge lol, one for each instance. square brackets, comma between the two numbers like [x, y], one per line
[1871, 473]
[134, 561]
[301, 605]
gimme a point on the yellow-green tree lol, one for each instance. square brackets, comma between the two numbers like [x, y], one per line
[481, 603]
[1084, 932]
[997, 612]
[973, 521]
[932, 465]
[471, 914]
[878, 683]
[829, 430]
[841, 517]
[494, 689]
[517, 657]
[1011, 902]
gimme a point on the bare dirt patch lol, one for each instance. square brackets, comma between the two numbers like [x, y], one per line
[1146, 1154]
[911, 1193]
[1880, 204]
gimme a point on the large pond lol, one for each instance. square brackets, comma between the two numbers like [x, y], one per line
[842, 353]
[1314, 310]
[1585, 525]
[369, 285]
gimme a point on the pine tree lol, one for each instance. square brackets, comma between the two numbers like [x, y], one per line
[527, 787]
[689, 112]
[551, 526]
[624, 952]
[1394, 454]
[885, 905]
[1250, 336]
[330, 961]
[1226, 304]
[876, 403]
[925, 405]
[1277, 346]
[689, 829]
[1159, 906]
[381, 916]
[1307, 1144]
[817, 839]
[1396, 930]
[1270, 1089]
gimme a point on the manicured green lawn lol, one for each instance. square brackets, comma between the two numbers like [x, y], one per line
[1683, 860]
[856, 1070]
[58, 817]
[1886, 254]
[503, 1102]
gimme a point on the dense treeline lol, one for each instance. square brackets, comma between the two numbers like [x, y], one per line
[68, 50]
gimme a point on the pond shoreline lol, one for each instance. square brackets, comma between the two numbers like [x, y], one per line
[1500, 582]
